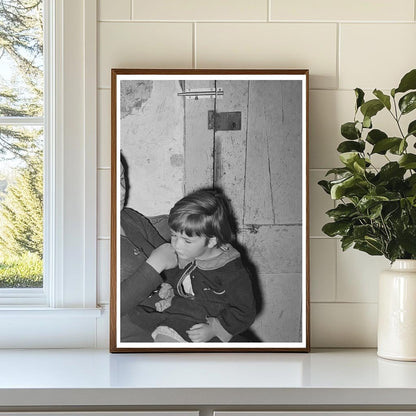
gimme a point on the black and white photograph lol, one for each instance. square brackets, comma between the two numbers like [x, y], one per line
[209, 215]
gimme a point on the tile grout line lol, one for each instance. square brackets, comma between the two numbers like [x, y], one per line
[344, 302]
[335, 254]
[194, 61]
[255, 21]
[338, 63]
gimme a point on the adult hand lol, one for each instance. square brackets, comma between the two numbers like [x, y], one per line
[163, 258]
[201, 333]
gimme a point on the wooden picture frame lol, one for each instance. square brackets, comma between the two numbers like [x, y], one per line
[245, 133]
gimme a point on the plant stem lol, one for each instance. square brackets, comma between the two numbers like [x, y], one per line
[397, 118]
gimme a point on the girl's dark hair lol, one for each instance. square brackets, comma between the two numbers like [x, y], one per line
[203, 213]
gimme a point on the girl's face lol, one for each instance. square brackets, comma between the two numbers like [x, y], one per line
[190, 248]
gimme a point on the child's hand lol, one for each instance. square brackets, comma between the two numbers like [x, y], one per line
[166, 294]
[163, 304]
[201, 333]
[163, 258]
[166, 291]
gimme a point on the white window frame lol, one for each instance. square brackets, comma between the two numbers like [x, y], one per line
[64, 313]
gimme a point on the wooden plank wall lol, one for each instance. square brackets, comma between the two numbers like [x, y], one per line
[198, 139]
[272, 230]
[258, 168]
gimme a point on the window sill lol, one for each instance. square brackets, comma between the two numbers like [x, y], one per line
[35, 311]
[37, 327]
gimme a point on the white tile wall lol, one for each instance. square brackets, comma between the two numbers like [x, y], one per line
[270, 45]
[345, 44]
[328, 109]
[357, 275]
[142, 45]
[323, 269]
[337, 325]
[114, 10]
[381, 46]
[341, 10]
[200, 10]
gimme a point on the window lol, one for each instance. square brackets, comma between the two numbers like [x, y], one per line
[22, 132]
[63, 312]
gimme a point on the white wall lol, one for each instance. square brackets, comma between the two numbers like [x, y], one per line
[345, 44]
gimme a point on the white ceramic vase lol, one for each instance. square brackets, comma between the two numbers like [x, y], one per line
[397, 312]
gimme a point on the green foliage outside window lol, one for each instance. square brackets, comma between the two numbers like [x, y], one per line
[21, 146]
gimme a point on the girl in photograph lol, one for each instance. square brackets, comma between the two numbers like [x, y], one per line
[194, 289]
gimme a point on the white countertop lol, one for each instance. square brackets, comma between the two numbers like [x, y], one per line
[96, 377]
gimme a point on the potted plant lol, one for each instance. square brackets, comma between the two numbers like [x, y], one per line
[376, 209]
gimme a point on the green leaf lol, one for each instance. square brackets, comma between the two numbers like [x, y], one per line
[411, 130]
[350, 131]
[338, 190]
[359, 95]
[393, 250]
[398, 149]
[408, 161]
[349, 146]
[342, 211]
[375, 211]
[374, 136]
[361, 231]
[336, 228]
[408, 102]
[411, 182]
[359, 166]
[368, 248]
[338, 171]
[349, 158]
[385, 99]
[391, 170]
[367, 122]
[408, 82]
[402, 147]
[325, 186]
[407, 240]
[383, 145]
[368, 201]
[371, 108]
[346, 242]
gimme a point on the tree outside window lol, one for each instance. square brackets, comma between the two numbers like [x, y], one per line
[21, 143]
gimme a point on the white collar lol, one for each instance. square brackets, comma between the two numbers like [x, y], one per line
[228, 253]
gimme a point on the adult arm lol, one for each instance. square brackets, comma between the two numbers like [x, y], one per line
[138, 287]
[146, 278]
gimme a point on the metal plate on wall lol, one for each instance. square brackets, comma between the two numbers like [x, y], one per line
[224, 121]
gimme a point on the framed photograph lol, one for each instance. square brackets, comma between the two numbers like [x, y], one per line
[209, 211]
